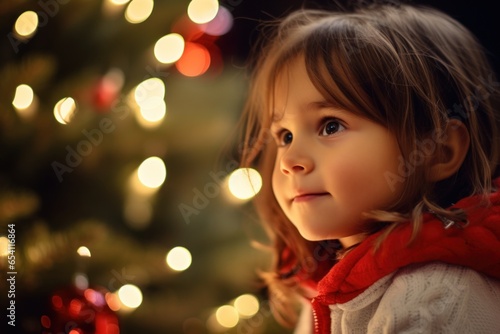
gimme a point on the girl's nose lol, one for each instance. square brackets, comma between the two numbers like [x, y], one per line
[296, 160]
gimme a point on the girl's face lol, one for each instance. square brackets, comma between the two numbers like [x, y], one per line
[331, 165]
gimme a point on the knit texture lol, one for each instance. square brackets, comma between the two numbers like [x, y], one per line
[430, 298]
[475, 248]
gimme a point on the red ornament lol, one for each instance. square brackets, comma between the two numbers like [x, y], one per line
[107, 90]
[105, 93]
[75, 311]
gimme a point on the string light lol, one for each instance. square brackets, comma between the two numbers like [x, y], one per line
[152, 172]
[202, 11]
[152, 87]
[26, 24]
[113, 301]
[83, 251]
[64, 110]
[148, 102]
[227, 316]
[247, 305]
[23, 97]
[195, 61]
[138, 11]
[244, 183]
[4, 246]
[130, 296]
[153, 111]
[178, 258]
[169, 48]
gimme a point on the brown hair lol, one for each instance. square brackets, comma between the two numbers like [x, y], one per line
[408, 68]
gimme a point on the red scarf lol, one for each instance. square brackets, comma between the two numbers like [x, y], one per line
[476, 246]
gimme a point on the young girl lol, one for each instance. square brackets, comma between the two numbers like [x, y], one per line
[376, 132]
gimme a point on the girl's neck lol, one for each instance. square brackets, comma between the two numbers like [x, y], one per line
[352, 240]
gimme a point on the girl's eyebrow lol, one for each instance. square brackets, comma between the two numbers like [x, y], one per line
[314, 106]
[324, 105]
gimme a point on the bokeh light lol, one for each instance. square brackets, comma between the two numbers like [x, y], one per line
[195, 61]
[4, 246]
[139, 10]
[113, 7]
[130, 296]
[220, 25]
[83, 251]
[150, 108]
[152, 172]
[64, 110]
[169, 48]
[227, 316]
[45, 321]
[153, 110]
[81, 281]
[202, 11]
[152, 87]
[138, 189]
[113, 301]
[244, 183]
[25, 101]
[23, 97]
[178, 258]
[94, 297]
[26, 24]
[247, 305]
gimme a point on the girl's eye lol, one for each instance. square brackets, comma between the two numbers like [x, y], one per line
[331, 127]
[285, 138]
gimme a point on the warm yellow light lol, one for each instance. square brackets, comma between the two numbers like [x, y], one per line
[152, 172]
[113, 7]
[169, 48]
[227, 316]
[244, 183]
[64, 110]
[4, 246]
[147, 124]
[138, 10]
[155, 110]
[247, 305]
[130, 296]
[23, 97]
[137, 188]
[202, 11]
[83, 251]
[152, 87]
[26, 24]
[179, 258]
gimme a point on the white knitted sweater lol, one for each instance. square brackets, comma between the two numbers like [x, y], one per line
[430, 298]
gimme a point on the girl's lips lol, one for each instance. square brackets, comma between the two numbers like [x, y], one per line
[309, 197]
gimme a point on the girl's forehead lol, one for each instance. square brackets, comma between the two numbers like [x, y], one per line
[293, 85]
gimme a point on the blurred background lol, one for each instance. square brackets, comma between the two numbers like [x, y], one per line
[127, 216]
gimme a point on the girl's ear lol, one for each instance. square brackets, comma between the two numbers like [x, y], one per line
[454, 147]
